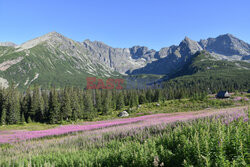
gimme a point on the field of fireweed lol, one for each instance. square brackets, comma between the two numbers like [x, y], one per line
[204, 139]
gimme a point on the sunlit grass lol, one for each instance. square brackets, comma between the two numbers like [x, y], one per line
[27, 126]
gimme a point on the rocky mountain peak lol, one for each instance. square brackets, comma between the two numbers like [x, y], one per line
[227, 38]
[138, 50]
[189, 45]
[51, 38]
[53, 35]
[187, 39]
[226, 44]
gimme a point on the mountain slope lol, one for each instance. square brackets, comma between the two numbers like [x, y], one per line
[204, 72]
[55, 59]
[175, 58]
[141, 60]
[50, 59]
[119, 59]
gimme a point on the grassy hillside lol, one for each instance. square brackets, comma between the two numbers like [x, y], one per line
[45, 66]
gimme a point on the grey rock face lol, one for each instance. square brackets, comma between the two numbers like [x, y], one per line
[170, 59]
[189, 45]
[227, 45]
[141, 60]
[119, 59]
[7, 44]
[138, 59]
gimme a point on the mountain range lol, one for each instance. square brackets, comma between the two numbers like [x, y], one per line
[54, 59]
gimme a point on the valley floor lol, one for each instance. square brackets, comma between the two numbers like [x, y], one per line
[182, 132]
[124, 124]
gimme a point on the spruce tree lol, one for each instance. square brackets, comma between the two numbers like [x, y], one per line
[142, 98]
[29, 120]
[135, 99]
[88, 106]
[45, 99]
[26, 103]
[158, 95]
[149, 95]
[54, 107]
[120, 101]
[34, 106]
[13, 107]
[40, 113]
[75, 106]
[22, 121]
[81, 103]
[66, 111]
[98, 100]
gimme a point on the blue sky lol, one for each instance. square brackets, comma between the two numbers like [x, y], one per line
[124, 23]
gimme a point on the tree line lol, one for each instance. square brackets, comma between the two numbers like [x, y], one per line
[71, 104]
[68, 104]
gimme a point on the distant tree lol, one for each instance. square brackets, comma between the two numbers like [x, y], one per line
[106, 103]
[158, 95]
[149, 95]
[142, 98]
[136, 99]
[98, 100]
[3, 117]
[29, 120]
[120, 101]
[133, 99]
[113, 99]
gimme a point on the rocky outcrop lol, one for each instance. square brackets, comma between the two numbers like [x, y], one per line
[123, 114]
